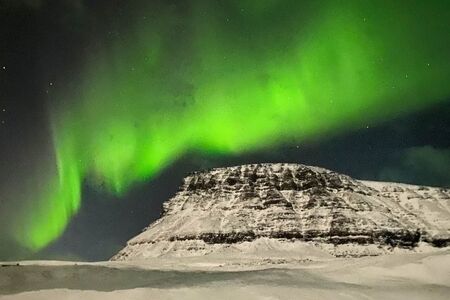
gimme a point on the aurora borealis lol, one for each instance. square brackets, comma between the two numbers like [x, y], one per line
[230, 77]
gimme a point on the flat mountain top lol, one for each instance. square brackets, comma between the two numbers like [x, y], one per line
[290, 210]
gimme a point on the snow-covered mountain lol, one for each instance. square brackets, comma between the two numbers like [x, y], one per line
[292, 209]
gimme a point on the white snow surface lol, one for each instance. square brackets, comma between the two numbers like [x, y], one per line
[397, 276]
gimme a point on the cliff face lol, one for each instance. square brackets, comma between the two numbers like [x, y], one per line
[286, 203]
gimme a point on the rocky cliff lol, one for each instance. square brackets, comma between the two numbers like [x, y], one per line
[287, 204]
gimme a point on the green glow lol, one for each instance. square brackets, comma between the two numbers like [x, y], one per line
[255, 74]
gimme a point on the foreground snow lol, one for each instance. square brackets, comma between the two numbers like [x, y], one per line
[397, 276]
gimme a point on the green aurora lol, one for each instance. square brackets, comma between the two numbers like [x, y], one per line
[227, 77]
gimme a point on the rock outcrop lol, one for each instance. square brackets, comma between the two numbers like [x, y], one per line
[286, 203]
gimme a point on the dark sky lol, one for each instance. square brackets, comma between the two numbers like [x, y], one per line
[44, 43]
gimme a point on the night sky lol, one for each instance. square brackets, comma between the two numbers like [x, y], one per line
[106, 105]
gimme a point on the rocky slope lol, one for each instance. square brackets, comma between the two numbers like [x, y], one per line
[275, 207]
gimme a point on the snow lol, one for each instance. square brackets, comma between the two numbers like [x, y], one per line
[396, 276]
[296, 202]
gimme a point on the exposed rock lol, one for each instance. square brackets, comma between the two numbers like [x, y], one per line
[290, 202]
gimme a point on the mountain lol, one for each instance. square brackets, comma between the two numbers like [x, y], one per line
[292, 209]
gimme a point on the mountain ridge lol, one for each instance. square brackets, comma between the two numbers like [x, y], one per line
[225, 208]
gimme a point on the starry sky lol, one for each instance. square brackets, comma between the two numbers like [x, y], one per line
[106, 105]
